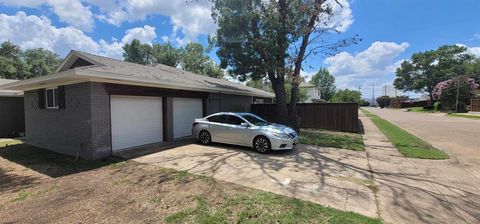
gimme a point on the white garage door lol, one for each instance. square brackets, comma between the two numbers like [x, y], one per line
[135, 121]
[185, 110]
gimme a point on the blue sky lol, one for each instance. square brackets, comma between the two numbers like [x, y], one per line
[391, 30]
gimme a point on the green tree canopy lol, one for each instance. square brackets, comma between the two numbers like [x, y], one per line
[166, 54]
[258, 39]
[473, 69]
[425, 69]
[41, 62]
[347, 96]
[18, 64]
[259, 84]
[192, 58]
[384, 101]
[136, 52]
[267, 86]
[326, 82]
[196, 60]
[11, 64]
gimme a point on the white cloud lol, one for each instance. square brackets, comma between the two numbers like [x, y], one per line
[71, 12]
[343, 18]
[307, 75]
[145, 34]
[471, 50]
[474, 50]
[188, 18]
[62, 40]
[377, 63]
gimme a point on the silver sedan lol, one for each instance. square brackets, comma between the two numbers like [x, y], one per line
[244, 129]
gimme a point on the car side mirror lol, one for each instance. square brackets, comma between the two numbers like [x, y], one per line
[244, 124]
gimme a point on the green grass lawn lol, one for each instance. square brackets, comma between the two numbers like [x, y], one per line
[465, 116]
[408, 144]
[257, 206]
[421, 110]
[332, 139]
[9, 141]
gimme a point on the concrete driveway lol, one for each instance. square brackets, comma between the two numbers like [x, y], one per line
[333, 177]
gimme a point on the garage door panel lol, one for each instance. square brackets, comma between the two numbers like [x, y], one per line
[185, 111]
[136, 121]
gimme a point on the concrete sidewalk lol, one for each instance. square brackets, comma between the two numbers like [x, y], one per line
[458, 137]
[419, 191]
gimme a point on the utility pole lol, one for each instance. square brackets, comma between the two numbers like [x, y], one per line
[385, 98]
[456, 100]
[373, 94]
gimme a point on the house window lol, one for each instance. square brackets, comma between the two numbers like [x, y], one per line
[51, 98]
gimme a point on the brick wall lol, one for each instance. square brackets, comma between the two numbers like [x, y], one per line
[12, 119]
[82, 127]
[100, 114]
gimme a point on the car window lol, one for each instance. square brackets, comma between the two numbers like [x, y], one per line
[255, 120]
[230, 119]
[217, 119]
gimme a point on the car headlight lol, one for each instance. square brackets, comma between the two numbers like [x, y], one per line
[280, 134]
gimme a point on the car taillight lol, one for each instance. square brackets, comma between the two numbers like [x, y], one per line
[194, 123]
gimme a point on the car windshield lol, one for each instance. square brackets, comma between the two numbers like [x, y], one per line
[255, 120]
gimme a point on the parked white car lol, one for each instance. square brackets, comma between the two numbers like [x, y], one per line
[244, 129]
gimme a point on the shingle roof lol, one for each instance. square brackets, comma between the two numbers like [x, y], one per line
[306, 84]
[164, 73]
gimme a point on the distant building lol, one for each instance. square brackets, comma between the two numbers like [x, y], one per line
[313, 92]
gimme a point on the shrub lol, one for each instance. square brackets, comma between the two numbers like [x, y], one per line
[446, 92]
[364, 103]
[384, 101]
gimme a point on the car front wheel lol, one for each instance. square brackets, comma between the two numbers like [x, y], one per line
[261, 144]
[205, 137]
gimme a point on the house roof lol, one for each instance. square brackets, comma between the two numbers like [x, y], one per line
[306, 85]
[103, 69]
[4, 92]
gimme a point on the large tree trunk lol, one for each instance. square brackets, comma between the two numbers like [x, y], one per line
[278, 86]
[430, 101]
[292, 108]
[278, 80]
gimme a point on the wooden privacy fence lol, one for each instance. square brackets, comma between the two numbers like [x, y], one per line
[329, 116]
[475, 105]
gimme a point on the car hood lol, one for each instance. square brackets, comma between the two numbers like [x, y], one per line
[278, 128]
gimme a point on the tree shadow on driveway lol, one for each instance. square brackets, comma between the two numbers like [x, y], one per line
[335, 177]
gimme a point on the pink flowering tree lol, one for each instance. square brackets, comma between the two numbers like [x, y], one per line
[446, 93]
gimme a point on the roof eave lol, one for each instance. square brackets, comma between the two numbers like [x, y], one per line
[79, 75]
[107, 77]
[61, 78]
